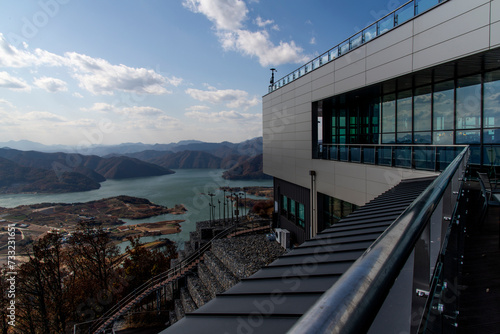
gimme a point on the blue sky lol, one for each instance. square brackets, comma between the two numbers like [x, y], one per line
[91, 72]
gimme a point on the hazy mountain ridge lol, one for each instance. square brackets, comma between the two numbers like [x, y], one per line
[242, 160]
[249, 169]
[79, 172]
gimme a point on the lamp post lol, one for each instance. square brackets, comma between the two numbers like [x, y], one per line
[212, 211]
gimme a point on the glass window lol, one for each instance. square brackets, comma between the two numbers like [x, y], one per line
[422, 138]
[444, 96]
[402, 156]
[443, 138]
[292, 210]
[284, 205]
[404, 112]
[389, 113]
[491, 155]
[468, 137]
[469, 102]
[404, 138]
[492, 99]
[491, 136]
[301, 215]
[389, 138]
[422, 104]
[423, 158]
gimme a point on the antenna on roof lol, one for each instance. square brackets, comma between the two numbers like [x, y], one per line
[272, 75]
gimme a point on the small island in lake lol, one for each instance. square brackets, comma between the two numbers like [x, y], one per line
[35, 220]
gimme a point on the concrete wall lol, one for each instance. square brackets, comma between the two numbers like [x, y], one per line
[453, 30]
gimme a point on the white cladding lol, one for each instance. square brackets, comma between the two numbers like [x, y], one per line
[450, 31]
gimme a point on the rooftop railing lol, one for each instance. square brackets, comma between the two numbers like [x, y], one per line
[403, 14]
[353, 302]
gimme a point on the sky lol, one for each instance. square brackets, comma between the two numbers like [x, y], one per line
[105, 72]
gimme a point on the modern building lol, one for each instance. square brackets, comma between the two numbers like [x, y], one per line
[393, 120]
[395, 101]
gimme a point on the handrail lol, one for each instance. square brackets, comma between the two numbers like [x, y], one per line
[352, 303]
[159, 279]
[370, 32]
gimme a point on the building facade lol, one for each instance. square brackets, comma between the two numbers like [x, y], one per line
[395, 101]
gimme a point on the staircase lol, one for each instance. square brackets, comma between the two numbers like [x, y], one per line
[198, 277]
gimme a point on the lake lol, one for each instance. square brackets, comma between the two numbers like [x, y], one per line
[187, 186]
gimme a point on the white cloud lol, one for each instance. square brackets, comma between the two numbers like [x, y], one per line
[312, 41]
[101, 107]
[224, 117]
[96, 75]
[228, 17]
[258, 44]
[10, 82]
[52, 85]
[6, 103]
[262, 23]
[196, 108]
[225, 14]
[233, 98]
[78, 95]
[43, 116]
[143, 111]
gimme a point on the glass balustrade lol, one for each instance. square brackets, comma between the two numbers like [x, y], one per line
[421, 157]
[399, 16]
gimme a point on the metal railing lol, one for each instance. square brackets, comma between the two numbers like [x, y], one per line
[403, 14]
[158, 281]
[421, 157]
[352, 303]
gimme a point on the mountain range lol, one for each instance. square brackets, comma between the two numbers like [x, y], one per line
[47, 171]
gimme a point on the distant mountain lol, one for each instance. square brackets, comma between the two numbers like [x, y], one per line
[187, 159]
[249, 147]
[93, 168]
[17, 179]
[249, 169]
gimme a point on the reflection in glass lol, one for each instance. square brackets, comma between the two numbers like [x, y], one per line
[443, 138]
[424, 158]
[385, 156]
[469, 102]
[423, 5]
[386, 24]
[370, 32]
[389, 113]
[491, 155]
[422, 103]
[402, 156]
[443, 105]
[422, 138]
[404, 119]
[491, 136]
[405, 13]
[492, 99]
[344, 47]
[356, 41]
[468, 137]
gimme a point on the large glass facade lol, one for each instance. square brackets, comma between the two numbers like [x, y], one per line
[440, 111]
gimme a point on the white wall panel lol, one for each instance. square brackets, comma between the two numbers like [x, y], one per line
[390, 54]
[389, 39]
[495, 11]
[495, 34]
[470, 43]
[448, 30]
[350, 83]
[389, 70]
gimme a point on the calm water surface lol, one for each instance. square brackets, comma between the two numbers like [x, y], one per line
[187, 186]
